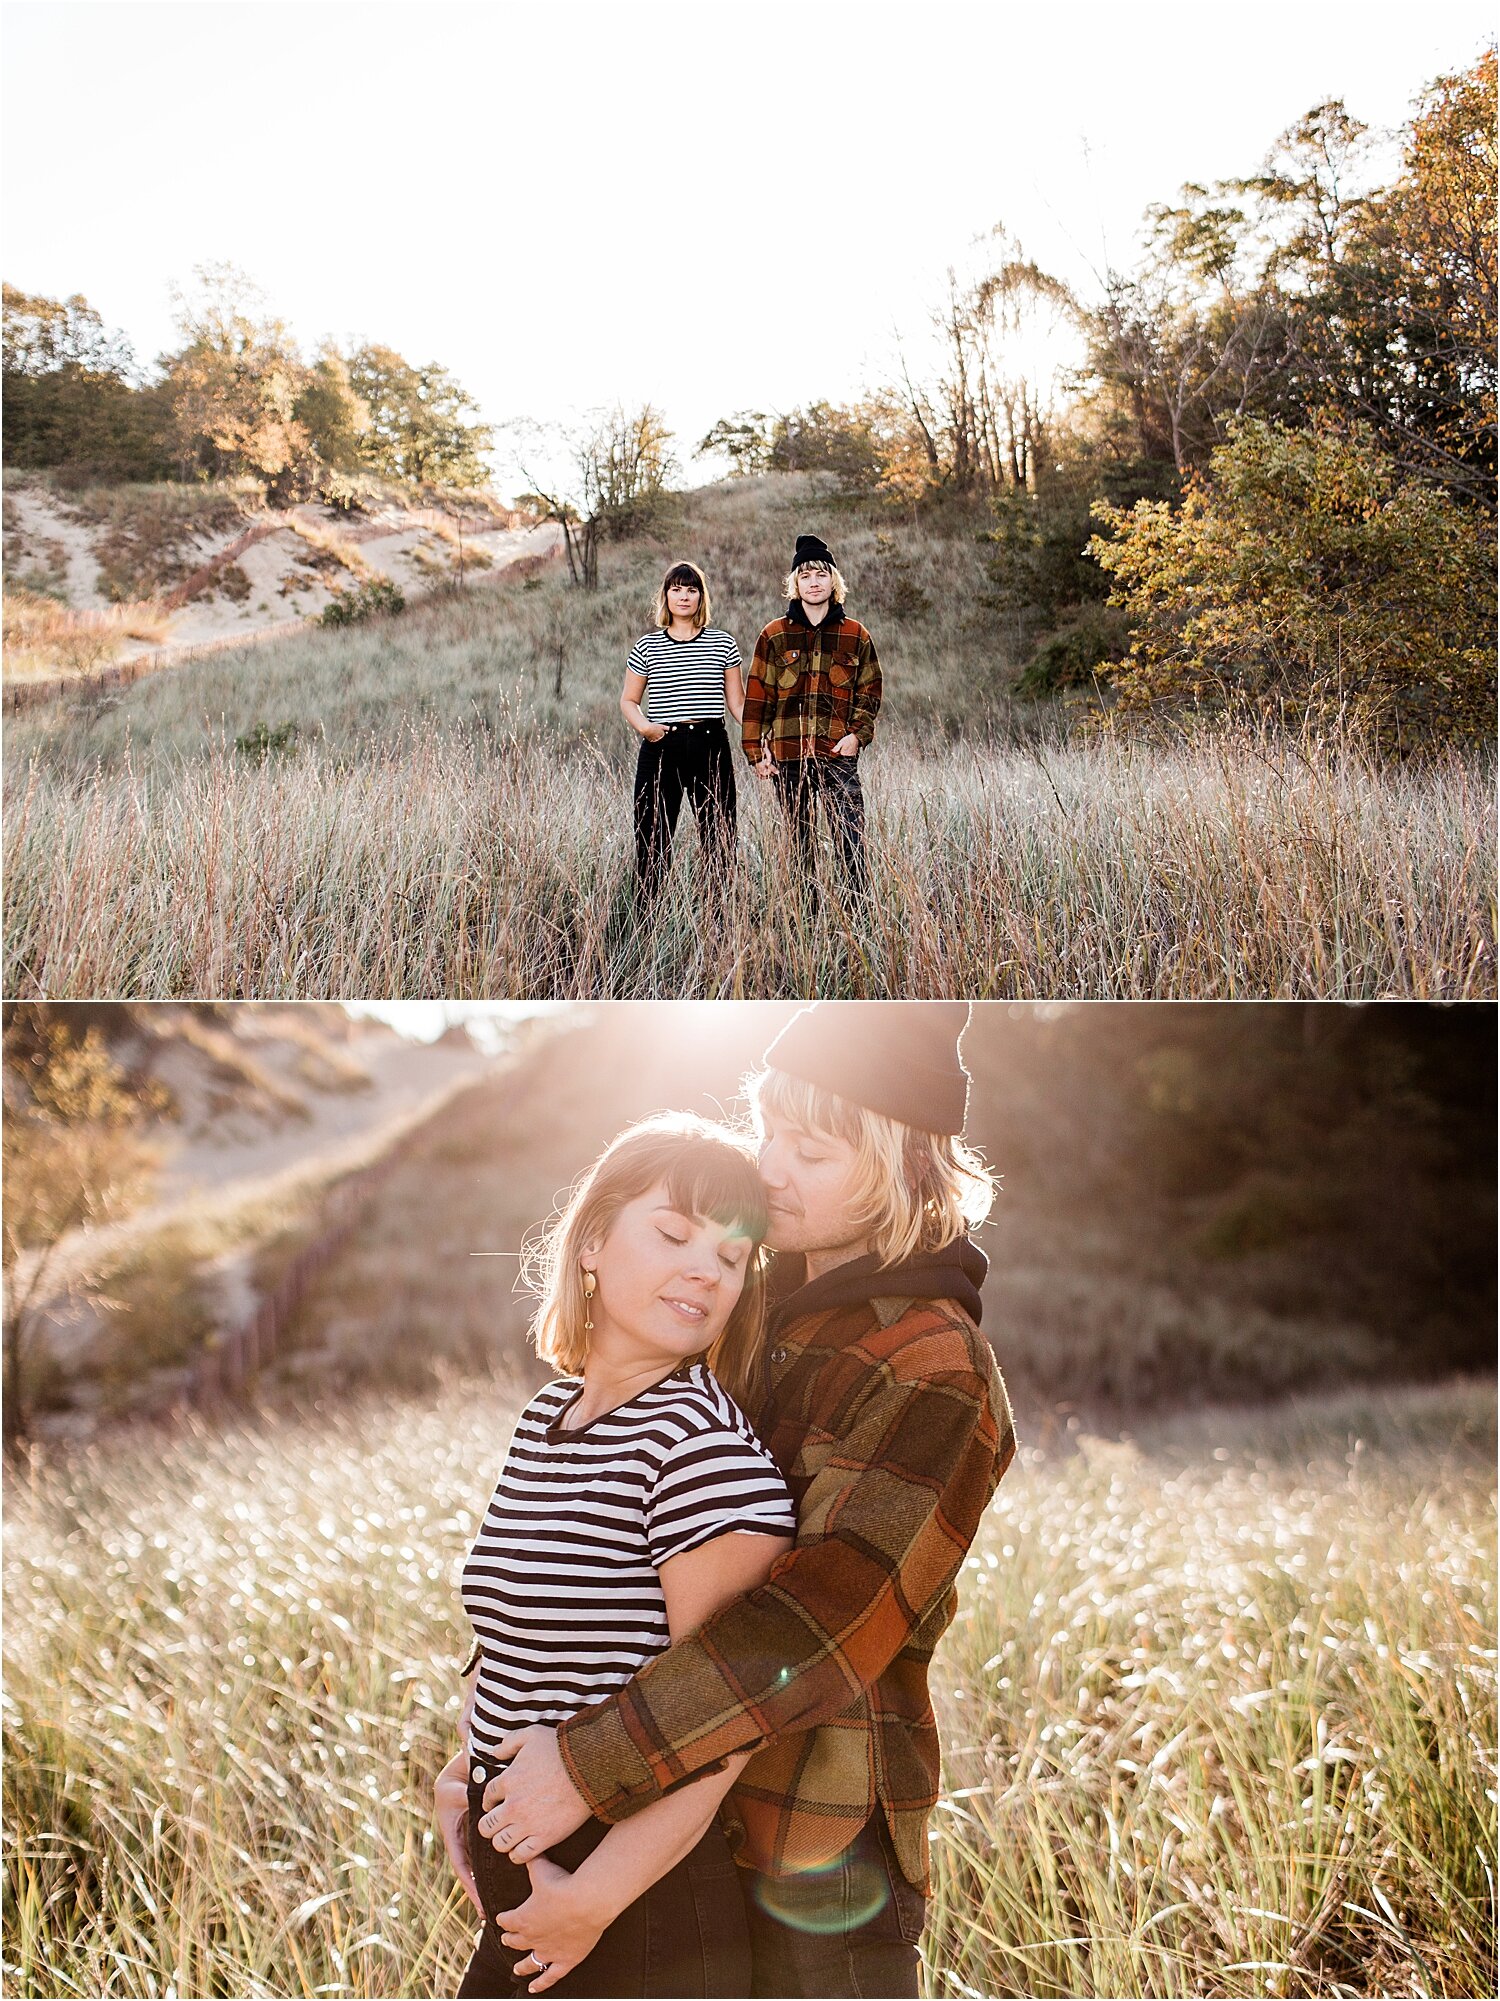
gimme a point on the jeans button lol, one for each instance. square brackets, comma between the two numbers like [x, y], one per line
[778, 1354]
[480, 1774]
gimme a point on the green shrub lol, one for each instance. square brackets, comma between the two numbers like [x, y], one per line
[1075, 657]
[1306, 575]
[263, 741]
[375, 596]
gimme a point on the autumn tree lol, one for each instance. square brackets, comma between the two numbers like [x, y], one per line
[1306, 576]
[235, 386]
[1411, 313]
[73, 1159]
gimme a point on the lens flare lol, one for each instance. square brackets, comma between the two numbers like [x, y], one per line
[836, 1896]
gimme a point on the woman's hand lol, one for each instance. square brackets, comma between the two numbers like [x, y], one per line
[654, 732]
[557, 1926]
[450, 1796]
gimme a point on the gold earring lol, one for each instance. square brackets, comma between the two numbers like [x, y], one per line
[590, 1287]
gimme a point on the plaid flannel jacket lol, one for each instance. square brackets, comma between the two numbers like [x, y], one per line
[809, 685]
[892, 1427]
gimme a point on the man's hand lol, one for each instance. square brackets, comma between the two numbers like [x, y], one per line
[532, 1804]
[557, 1926]
[847, 746]
[450, 1795]
[765, 769]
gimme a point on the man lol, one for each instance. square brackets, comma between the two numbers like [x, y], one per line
[811, 700]
[885, 1411]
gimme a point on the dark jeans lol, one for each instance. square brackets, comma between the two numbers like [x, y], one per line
[687, 1936]
[849, 1928]
[834, 780]
[691, 762]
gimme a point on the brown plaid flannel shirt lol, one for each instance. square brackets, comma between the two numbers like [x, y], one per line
[892, 1427]
[809, 685]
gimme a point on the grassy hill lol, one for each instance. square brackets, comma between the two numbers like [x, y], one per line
[439, 804]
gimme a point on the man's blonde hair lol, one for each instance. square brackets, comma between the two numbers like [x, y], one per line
[682, 573]
[789, 581]
[914, 1191]
[708, 1171]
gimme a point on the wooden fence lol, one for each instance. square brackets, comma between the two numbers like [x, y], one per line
[17, 695]
[231, 1361]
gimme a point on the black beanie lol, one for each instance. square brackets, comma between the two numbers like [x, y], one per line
[812, 549]
[896, 1057]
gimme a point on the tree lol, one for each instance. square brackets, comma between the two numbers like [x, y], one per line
[620, 465]
[1410, 316]
[333, 414]
[1309, 196]
[235, 386]
[744, 439]
[72, 1160]
[418, 431]
[1198, 337]
[1305, 575]
[70, 391]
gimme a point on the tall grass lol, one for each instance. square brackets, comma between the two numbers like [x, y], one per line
[497, 862]
[45, 639]
[1218, 1709]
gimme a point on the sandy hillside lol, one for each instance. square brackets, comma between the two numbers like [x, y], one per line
[273, 1101]
[302, 557]
[330, 1103]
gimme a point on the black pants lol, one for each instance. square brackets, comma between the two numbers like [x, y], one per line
[687, 1936]
[834, 780]
[849, 1928]
[691, 762]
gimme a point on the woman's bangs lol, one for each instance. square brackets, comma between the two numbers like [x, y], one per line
[712, 1181]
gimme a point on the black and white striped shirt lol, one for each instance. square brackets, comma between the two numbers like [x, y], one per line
[684, 677]
[561, 1585]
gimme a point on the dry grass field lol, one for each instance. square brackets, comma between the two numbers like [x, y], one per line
[439, 804]
[1219, 1707]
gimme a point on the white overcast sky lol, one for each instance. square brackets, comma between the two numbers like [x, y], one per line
[572, 203]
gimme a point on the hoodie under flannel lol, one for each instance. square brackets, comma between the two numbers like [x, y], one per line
[809, 685]
[887, 1416]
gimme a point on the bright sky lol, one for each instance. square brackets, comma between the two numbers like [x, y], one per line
[425, 1021]
[722, 205]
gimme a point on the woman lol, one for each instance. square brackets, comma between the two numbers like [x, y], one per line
[690, 669]
[635, 1500]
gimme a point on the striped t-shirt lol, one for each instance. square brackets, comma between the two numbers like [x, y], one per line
[684, 677]
[561, 1585]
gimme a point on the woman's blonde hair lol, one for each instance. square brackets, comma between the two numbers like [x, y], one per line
[708, 1171]
[914, 1191]
[789, 581]
[682, 573]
